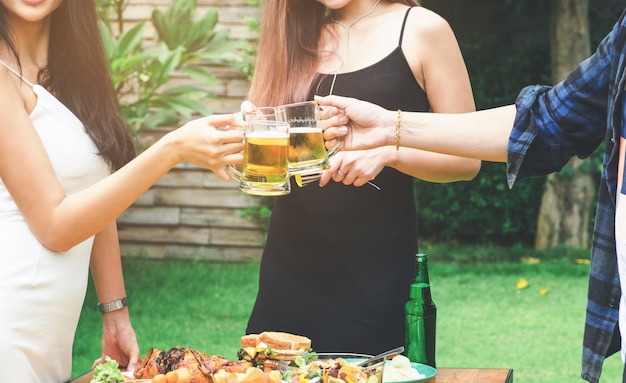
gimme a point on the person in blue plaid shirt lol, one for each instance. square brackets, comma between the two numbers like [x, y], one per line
[538, 135]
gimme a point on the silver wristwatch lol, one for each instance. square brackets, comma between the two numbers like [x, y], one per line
[112, 306]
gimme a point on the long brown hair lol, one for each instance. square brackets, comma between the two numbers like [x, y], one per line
[288, 50]
[78, 74]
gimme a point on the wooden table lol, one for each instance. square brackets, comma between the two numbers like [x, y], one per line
[444, 375]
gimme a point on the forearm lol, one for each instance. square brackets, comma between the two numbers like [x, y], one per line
[118, 337]
[482, 135]
[60, 221]
[431, 166]
[98, 205]
[106, 265]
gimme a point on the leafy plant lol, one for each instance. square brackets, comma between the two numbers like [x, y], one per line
[260, 214]
[183, 46]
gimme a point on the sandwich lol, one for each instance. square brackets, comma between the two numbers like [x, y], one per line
[267, 349]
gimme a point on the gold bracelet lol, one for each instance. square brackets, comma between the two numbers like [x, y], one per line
[396, 138]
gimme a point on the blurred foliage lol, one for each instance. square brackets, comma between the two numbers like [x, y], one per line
[519, 6]
[184, 46]
[484, 211]
[260, 214]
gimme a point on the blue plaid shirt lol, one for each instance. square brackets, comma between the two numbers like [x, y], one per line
[552, 125]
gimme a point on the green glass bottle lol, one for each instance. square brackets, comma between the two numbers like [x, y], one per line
[421, 316]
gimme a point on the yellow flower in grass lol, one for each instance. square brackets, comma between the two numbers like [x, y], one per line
[531, 260]
[521, 284]
[543, 291]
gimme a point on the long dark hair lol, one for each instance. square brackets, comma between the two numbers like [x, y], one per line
[288, 52]
[78, 74]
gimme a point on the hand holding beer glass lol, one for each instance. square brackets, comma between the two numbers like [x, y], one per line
[307, 152]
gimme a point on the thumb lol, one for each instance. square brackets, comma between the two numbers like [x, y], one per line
[97, 362]
[247, 106]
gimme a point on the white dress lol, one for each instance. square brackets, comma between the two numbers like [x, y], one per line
[42, 291]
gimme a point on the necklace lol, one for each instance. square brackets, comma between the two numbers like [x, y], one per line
[347, 28]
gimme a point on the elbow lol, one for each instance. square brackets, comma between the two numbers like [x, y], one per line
[55, 240]
[473, 170]
[466, 172]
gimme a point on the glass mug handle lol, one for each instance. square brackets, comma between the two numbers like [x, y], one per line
[337, 147]
[232, 169]
[234, 172]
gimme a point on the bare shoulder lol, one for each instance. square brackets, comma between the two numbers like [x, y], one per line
[10, 95]
[13, 103]
[427, 23]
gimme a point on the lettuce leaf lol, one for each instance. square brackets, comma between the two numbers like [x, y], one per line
[108, 372]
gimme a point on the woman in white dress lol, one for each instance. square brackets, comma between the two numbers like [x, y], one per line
[67, 170]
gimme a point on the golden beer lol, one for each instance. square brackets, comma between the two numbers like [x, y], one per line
[265, 164]
[306, 149]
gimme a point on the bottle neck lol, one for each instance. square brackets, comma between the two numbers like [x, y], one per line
[420, 292]
[420, 272]
[420, 288]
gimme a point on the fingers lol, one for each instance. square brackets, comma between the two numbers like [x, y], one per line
[223, 173]
[134, 359]
[97, 362]
[246, 107]
[344, 176]
[337, 101]
[224, 121]
[332, 135]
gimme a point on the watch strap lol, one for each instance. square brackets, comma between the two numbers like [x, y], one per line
[113, 306]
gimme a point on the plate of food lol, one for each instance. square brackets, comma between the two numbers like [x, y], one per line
[401, 370]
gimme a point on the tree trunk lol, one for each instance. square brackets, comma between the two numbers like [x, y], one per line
[568, 200]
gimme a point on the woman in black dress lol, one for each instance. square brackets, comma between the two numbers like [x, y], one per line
[339, 258]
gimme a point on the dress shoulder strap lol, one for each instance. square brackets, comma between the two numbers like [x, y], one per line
[406, 15]
[18, 74]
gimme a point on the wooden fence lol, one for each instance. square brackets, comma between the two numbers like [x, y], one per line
[190, 212]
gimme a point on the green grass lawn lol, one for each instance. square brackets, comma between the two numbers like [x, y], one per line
[483, 320]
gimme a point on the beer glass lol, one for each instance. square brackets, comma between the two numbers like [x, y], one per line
[266, 113]
[265, 165]
[307, 153]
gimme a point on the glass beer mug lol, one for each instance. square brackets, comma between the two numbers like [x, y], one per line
[307, 152]
[263, 113]
[265, 169]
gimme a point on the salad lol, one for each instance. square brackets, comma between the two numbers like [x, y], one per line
[337, 370]
[107, 372]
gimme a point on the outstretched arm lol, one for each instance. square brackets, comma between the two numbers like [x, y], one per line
[481, 135]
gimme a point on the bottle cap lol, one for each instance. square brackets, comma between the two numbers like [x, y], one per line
[421, 257]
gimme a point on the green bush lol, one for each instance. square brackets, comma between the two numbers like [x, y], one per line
[142, 71]
[484, 210]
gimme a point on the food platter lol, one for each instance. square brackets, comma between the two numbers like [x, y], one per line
[424, 369]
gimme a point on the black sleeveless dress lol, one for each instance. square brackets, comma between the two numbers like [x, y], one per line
[339, 259]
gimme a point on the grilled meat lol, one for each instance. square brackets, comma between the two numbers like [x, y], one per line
[201, 366]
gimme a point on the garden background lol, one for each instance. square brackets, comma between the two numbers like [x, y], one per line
[191, 245]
